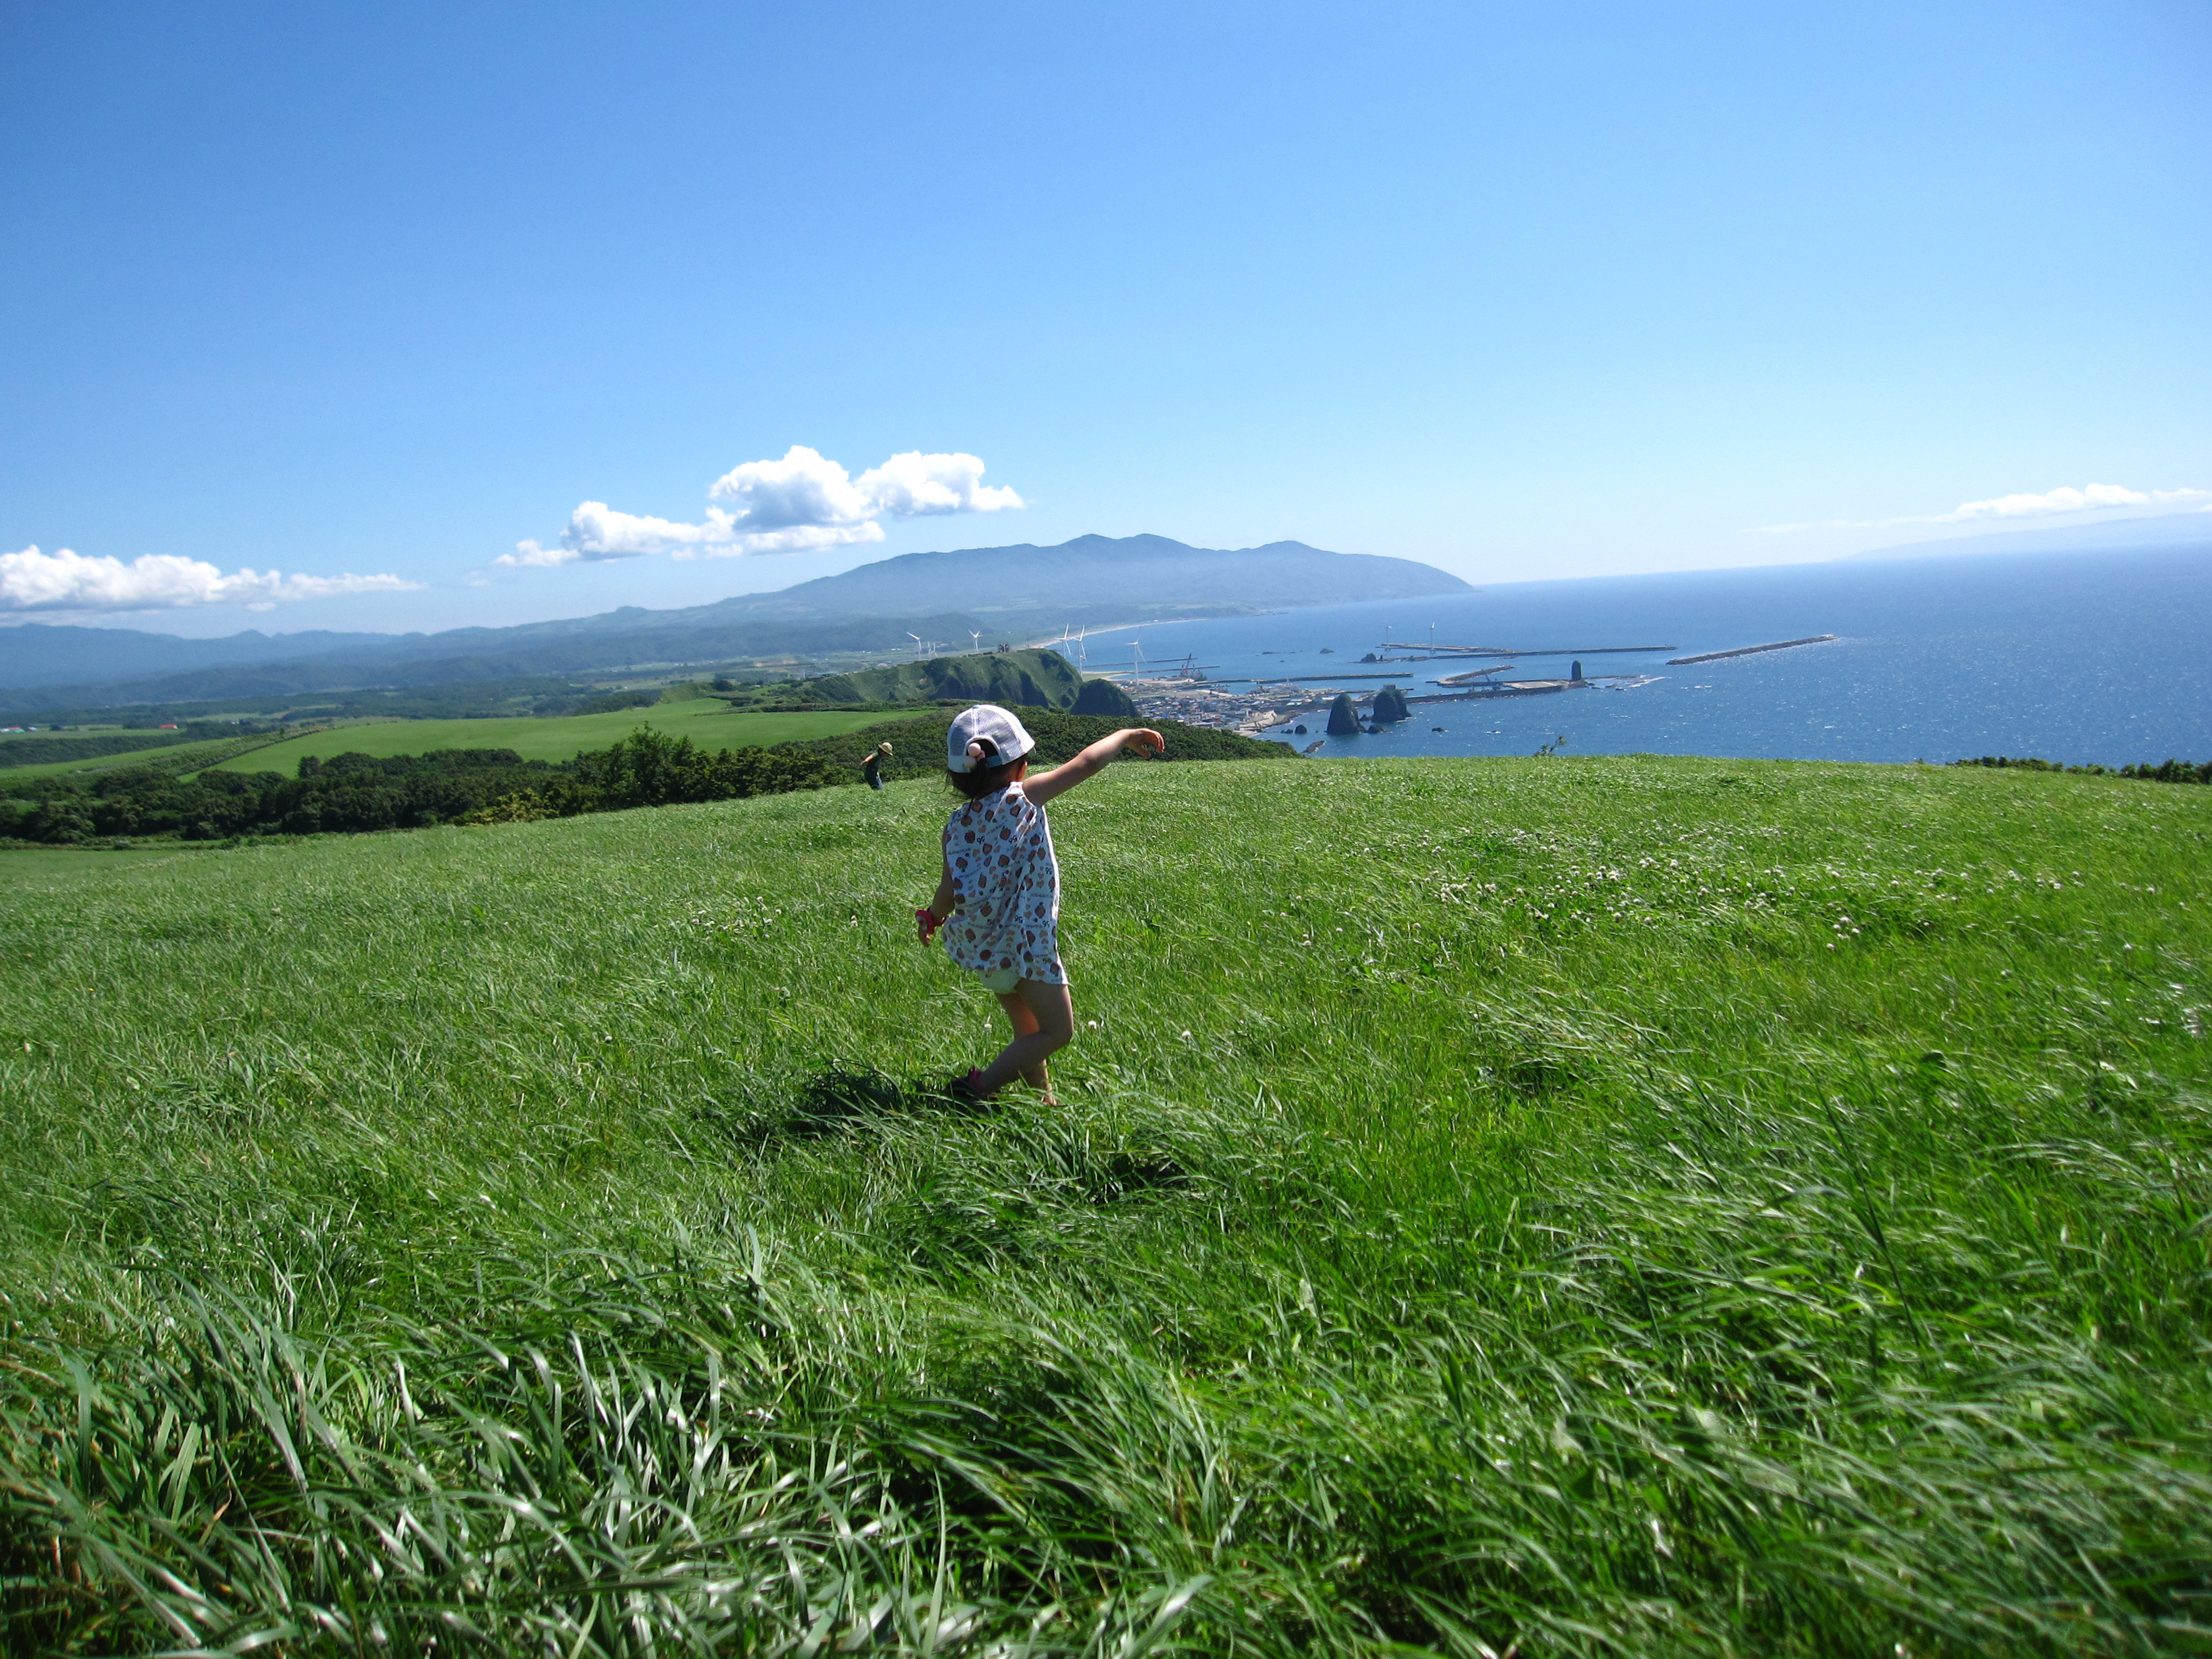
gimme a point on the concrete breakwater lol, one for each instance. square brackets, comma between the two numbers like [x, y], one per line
[1440, 652]
[1493, 693]
[1748, 650]
[1299, 679]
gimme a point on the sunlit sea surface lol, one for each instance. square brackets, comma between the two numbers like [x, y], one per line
[2102, 658]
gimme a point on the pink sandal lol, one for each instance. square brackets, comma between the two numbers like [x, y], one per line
[966, 1088]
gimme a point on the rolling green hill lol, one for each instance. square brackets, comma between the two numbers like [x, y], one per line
[1604, 1206]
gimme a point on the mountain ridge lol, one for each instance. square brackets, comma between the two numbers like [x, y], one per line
[1023, 588]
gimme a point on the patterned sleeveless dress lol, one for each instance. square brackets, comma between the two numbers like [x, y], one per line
[1005, 883]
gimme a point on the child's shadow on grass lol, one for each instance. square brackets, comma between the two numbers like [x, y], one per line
[854, 1102]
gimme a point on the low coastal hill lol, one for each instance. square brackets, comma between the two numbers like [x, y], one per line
[1033, 678]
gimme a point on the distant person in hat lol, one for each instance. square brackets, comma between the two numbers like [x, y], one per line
[872, 764]
[998, 897]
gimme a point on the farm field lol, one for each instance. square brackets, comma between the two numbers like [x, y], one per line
[164, 754]
[80, 730]
[1593, 1206]
[707, 721]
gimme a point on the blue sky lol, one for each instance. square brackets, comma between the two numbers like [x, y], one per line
[1520, 291]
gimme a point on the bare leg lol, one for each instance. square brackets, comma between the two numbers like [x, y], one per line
[1043, 1021]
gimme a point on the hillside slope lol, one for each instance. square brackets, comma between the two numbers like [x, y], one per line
[1604, 1206]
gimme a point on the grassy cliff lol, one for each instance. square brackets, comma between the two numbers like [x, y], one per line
[1594, 1206]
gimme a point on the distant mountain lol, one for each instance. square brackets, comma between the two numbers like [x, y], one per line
[1134, 572]
[394, 663]
[1001, 593]
[2169, 529]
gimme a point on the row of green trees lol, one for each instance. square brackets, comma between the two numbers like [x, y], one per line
[354, 792]
[2169, 771]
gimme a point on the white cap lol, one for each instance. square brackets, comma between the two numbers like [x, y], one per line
[985, 736]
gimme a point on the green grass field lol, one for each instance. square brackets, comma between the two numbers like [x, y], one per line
[707, 721]
[41, 869]
[1584, 1206]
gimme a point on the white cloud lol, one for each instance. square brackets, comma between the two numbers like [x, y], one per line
[597, 531]
[798, 538]
[530, 553]
[67, 581]
[803, 488]
[2065, 499]
[800, 504]
[908, 485]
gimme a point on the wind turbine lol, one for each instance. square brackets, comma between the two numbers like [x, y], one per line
[920, 649]
[976, 635]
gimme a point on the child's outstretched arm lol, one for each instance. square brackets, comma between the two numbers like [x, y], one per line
[1063, 778]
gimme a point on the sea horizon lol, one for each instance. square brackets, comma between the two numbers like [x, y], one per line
[2081, 657]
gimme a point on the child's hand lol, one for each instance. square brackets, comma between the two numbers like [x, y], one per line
[1144, 738]
[926, 922]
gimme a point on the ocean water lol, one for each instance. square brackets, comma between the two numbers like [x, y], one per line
[2079, 658]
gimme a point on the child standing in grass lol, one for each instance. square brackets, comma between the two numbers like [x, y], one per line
[998, 899]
